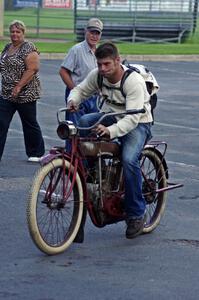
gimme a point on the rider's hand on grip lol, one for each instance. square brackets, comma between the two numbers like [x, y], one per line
[72, 106]
[101, 130]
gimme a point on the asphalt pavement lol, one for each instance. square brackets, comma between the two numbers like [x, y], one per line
[161, 265]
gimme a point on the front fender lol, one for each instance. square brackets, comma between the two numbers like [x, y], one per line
[54, 153]
[59, 153]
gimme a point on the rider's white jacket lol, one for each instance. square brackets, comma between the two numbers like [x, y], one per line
[136, 93]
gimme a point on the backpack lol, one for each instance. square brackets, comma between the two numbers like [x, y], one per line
[151, 83]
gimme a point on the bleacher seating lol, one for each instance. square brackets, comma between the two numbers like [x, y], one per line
[141, 25]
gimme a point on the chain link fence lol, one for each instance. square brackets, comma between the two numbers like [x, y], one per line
[139, 21]
[124, 20]
[42, 22]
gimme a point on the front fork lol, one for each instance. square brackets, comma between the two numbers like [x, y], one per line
[75, 166]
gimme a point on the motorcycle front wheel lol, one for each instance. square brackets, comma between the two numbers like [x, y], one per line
[53, 220]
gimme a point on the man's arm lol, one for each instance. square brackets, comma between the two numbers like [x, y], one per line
[68, 66]
[66, 77]
[85, 89]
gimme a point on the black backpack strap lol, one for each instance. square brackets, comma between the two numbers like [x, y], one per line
[100, 83]
[99, 80]
[124, 77]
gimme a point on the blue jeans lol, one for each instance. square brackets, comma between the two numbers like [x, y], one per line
[131, 146]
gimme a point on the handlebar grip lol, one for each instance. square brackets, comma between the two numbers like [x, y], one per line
[59, 112]
[136, 111]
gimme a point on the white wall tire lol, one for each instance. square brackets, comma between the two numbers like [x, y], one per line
[37, 210]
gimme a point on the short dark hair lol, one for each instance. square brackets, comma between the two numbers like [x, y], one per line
[105, 50]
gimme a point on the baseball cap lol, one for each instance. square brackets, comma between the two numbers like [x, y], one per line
[95, 24]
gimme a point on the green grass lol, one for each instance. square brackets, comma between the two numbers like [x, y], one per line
[164, 49]
[124, 48]
[63, 19]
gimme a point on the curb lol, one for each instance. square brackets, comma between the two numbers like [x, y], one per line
[60, 56]
[162, 57]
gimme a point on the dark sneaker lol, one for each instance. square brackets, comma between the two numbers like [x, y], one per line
[135, 227]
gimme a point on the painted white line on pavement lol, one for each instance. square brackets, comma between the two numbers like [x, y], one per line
[176, 126]
[44, 136]
[177, 102]
[48, 104]
[182, 164]
[194, 74]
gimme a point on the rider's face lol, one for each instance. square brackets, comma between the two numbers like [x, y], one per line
[108, 67]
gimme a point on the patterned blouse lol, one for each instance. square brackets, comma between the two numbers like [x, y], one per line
[12, 68]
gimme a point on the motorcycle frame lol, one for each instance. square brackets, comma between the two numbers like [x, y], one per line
[76, 157]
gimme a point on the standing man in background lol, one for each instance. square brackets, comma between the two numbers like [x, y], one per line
[79, 61]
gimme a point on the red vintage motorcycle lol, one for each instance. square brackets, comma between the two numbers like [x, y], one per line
[90, 178]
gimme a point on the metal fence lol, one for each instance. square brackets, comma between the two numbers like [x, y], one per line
[136, 20]
[54, 23]
[124, 20]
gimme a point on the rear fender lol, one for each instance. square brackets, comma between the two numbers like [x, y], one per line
[161, 157]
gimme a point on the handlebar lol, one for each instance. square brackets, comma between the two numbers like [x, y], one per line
[67, 129]
[114, 114]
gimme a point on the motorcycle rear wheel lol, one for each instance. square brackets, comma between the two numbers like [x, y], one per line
[154, 178]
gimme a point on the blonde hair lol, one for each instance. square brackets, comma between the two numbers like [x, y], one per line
[19, 24]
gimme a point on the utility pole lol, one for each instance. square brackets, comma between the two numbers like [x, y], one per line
[1, 17]
[195, 15]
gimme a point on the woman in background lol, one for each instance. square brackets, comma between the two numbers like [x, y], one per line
[19, 66]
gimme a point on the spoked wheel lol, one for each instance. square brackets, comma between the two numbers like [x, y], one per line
[154, 178]
[53, 221]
